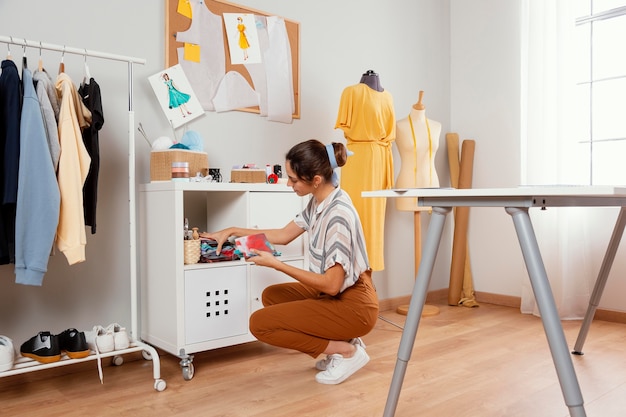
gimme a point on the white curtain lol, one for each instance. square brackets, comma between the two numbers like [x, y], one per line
[550, 154]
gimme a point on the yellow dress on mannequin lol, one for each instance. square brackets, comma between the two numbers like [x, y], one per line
[367, 119]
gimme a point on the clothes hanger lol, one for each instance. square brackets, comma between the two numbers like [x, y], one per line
[9, 49]
[62, 65]
[40, 68]
[24, 59]
[86, 74]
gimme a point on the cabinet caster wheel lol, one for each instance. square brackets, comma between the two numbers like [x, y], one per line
[117, 360]
[146, 355]
[188, 372]
[160, 385]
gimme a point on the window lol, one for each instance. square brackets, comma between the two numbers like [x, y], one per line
[600, 111]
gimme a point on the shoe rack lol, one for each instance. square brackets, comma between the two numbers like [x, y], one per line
[23, 365]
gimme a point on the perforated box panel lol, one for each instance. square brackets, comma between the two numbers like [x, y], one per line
[215, 303]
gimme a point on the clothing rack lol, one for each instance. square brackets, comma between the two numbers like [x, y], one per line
[148, 351]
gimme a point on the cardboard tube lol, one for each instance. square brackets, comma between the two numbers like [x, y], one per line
[452, 141]
[461, 222]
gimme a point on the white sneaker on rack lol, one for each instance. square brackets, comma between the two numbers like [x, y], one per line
[100, 340]
[7, 353]
[120, 336]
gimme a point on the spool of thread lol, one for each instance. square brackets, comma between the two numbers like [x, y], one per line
[180, 171]
[272, 178]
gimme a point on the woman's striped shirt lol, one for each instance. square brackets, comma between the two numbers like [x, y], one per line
[335, 236]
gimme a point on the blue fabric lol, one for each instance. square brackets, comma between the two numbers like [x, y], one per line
[330, 150]
[179, 146]
[193, 141]
[38, 196]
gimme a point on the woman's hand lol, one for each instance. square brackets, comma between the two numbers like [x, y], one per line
[263, 258]
[220, 237]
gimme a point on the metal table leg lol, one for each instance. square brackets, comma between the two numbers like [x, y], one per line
[420, 289]
[603, 275]
[547, 309]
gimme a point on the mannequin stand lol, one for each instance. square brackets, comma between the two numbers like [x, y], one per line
[429, 310]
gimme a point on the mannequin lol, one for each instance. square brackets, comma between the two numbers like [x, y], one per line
[417, 139]
[417, 145]
[371, 79]
[367, 118]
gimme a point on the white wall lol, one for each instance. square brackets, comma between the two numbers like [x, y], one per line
[485, 106]
[463, 54]
[406, 42]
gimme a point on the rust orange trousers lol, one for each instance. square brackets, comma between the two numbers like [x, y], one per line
[298, 317]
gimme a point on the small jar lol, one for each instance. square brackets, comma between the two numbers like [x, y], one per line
[180, 171]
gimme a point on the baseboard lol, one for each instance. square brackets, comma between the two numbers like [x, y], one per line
[490, 298]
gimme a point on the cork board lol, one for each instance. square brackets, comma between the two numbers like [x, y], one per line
[175, 22]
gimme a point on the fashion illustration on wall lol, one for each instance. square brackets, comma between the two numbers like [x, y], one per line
[243, 43]
[175, 95]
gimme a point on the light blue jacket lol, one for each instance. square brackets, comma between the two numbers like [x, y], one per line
[38, 197]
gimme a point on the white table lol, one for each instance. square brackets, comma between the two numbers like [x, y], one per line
[516, 202]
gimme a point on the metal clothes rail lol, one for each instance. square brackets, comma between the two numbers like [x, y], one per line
[136, 345]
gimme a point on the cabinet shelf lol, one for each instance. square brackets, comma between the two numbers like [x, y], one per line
[207, 265]
[197, 307]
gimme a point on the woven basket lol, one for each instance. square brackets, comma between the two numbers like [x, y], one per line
[161, 163]
[192, 251]
[248, 175]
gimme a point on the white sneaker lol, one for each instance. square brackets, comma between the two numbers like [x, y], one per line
[339, 368]
[7, 353]
[322, 364]
[100, 340]
[120, 336]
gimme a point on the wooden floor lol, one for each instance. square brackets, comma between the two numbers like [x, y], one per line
[480, 362]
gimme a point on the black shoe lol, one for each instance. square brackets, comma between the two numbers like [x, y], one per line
[44, 348]
[74, 344]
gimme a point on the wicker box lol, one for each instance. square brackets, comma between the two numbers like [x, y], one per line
[248, 175]
[161, 163]
[191, 251]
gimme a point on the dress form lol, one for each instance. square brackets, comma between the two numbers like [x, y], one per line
[367, 118]
[372, 80]
[417, 139]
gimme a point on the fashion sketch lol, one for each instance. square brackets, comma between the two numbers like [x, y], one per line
[177, 98]
[243, 38]
[175, 95]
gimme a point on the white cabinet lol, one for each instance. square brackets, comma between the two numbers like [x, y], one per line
[215, 303]
[263, 277]
[192, 308]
